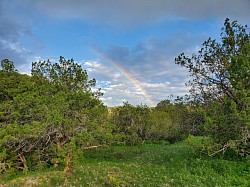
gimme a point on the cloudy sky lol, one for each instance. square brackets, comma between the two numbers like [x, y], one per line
[129, 46]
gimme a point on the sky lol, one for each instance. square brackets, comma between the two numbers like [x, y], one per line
[128, 46]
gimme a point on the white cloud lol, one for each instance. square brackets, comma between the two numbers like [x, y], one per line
[93, 64]
[88, 64]
[117, 75]
[116, 85]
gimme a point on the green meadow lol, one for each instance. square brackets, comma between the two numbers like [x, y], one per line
[177, 164]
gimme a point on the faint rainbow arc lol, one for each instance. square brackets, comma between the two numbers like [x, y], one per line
[135, 82]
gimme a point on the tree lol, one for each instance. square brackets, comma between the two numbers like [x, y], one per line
[158, 126]
[218, 68]
[66, 75]
[184, 116]
[130, 121]
[7, 65]
[48, 117]
[163, 105]
[221, 83]
[13, 83]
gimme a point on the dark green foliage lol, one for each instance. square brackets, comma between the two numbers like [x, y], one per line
[130, 121]
[185, 117]
[169, 121]
[7, 65]
[221, 85]
[164, 105]
[158, 127]
[12, 84]
[48, 116]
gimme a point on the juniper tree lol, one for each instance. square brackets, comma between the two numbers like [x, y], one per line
[221, 83]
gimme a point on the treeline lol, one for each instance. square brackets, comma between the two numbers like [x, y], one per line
[50, 118]
[168, 121]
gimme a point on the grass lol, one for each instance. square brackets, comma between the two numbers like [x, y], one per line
[147, 165]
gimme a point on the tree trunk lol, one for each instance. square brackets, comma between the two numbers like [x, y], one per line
[66, 170]
[24, 162]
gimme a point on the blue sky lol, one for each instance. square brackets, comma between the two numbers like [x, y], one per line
[129, 46]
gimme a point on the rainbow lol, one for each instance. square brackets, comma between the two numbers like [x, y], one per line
[135, 82]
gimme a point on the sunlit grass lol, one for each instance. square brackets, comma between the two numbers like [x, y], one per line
[147, 165]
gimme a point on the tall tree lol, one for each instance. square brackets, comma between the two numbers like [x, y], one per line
[221, 82]
[220, 67]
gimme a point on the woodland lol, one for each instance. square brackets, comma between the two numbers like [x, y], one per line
[54, 121]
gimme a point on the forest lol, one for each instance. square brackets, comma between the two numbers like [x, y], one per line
[55, 128]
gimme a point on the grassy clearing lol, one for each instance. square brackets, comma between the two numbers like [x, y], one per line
[146, 165]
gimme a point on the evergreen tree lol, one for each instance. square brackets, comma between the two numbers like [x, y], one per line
[221, 83]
